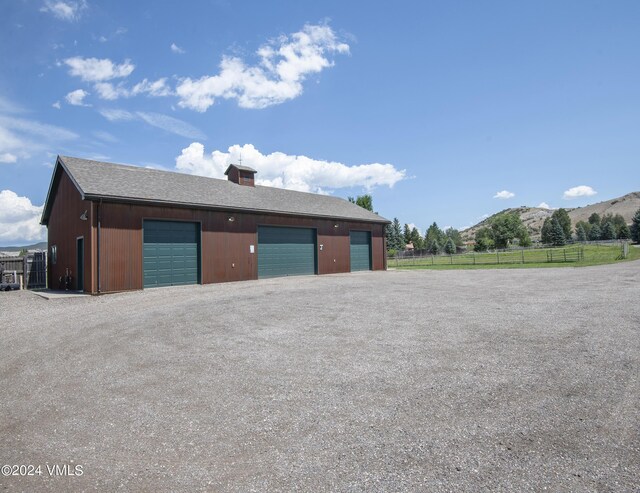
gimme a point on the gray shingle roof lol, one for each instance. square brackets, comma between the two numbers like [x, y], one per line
[108, 181]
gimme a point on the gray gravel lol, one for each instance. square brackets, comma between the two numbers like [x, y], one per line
[502, 380]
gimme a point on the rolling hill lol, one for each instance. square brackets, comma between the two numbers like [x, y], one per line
[533, 217]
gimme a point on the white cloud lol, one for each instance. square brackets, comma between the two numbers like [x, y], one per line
[20, 137]
[580, 191]
[412, 225]
[284, 65]
[19, 219]
[114, 115]
[66, 11]
[504, 194]
[56, 105]
[168, 123]
[176, 49]
[156, 88]
[76, 98]
[98, 70]
[543, 205]
[106, 90]
[7, 157]
[171, 124]
[287, 171]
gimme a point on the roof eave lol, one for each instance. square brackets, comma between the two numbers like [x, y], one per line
[131, 200]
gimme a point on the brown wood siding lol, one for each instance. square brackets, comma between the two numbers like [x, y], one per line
[64, 227]
[225, 245]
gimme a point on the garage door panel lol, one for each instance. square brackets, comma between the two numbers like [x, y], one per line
[286, 251]
[171, 253]
[360, 246]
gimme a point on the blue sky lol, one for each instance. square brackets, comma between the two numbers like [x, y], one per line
[444, 111]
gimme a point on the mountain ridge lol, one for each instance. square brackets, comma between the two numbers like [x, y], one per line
[533, 217]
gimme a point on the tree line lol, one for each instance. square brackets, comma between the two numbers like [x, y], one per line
[434, 241]
[557, 230]
[506, 229]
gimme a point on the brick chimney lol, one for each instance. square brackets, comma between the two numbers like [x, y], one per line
[242, 175]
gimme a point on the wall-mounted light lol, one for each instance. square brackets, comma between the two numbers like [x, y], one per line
[336, 225]
[83, 216]
[231, 219]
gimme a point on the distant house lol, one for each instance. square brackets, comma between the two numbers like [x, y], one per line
[409, 247]
[115, 227]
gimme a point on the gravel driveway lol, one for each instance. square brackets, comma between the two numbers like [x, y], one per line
[502, 380]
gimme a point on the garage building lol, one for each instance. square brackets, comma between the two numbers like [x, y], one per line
[113, 227]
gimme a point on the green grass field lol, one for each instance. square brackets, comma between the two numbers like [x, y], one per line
[570, 256]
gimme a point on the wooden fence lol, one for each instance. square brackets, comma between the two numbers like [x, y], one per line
[32, 269]
[537, 256]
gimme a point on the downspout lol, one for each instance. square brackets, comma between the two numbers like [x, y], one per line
[98, 246]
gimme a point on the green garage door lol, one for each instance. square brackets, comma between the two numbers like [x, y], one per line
[286, 251]
[171, 253]
[360, 250]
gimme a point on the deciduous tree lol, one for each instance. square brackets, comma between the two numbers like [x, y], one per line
[364, 201]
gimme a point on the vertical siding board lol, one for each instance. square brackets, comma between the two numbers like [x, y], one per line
[223, 243]
[64, 227]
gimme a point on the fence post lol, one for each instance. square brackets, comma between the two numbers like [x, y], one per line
[474, 258]
[432, 259]
[565, 254]
[498, 255]
[522, 251]
[451, 258]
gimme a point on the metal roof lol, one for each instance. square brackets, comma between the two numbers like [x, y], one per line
[117, 182]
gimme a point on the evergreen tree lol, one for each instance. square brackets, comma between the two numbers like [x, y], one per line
[388, 234]
[635, 227]
[416, 239]
[595, 233]
[407, 234]
[586, 227]
[450, 247]
[433, 247]
[581, 234]
[434, 234]
[563, 218]
[618, 223]
[455, 235]
[557, 233]
[625, 233]
[608, 232]
[546, 236]
[396, 241]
